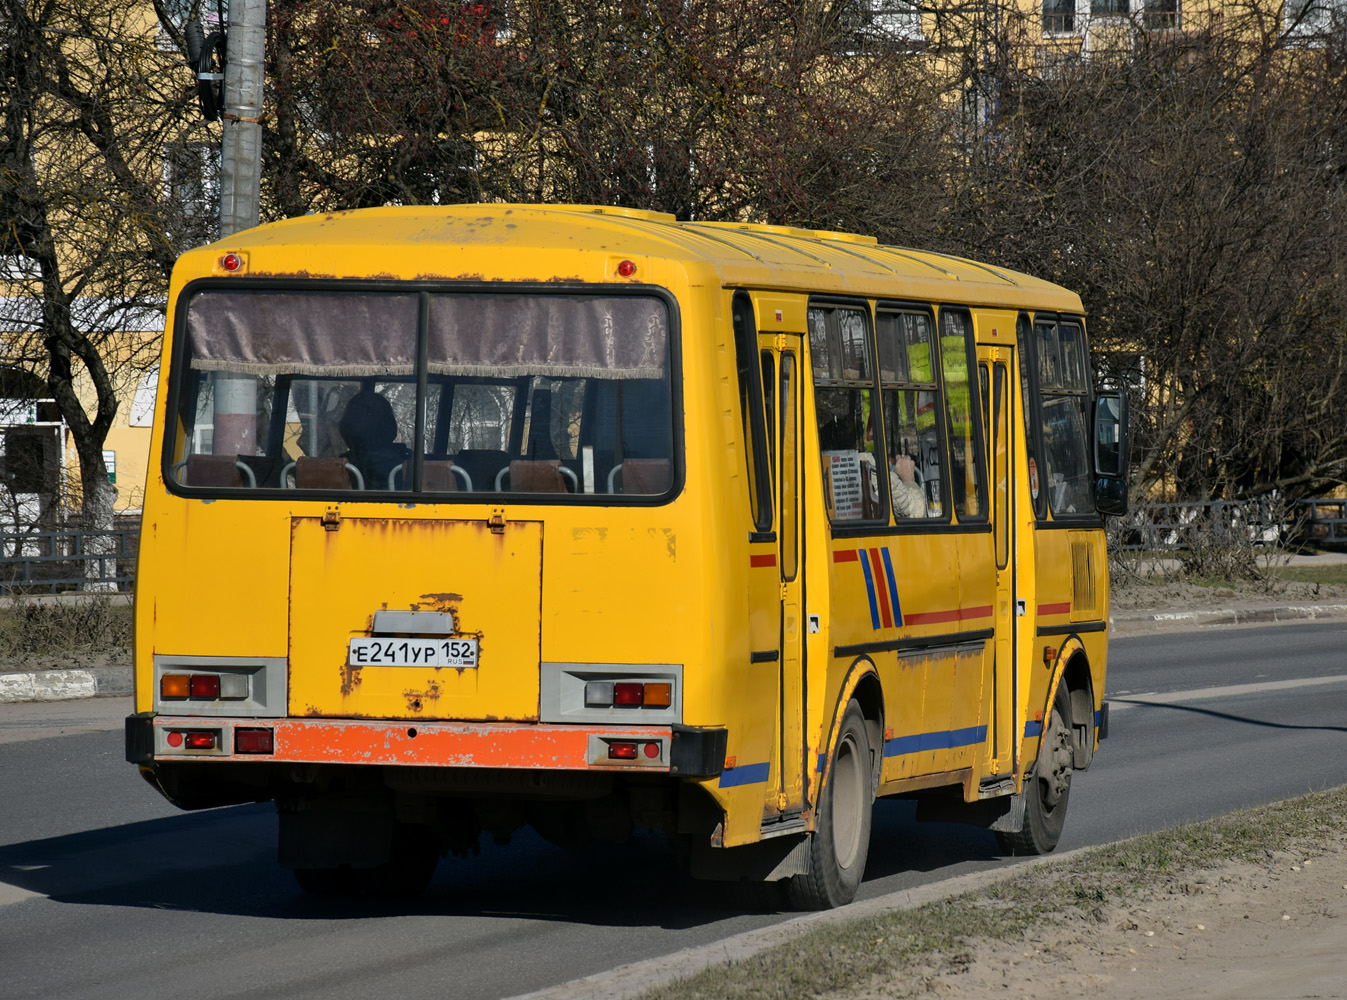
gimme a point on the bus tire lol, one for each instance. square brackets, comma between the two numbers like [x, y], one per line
[841, 839]
[1047, 788]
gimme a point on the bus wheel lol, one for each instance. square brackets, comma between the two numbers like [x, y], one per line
[841, 839]
[1047, 787]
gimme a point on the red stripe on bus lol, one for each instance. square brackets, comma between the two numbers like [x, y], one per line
[1054, 609]
[885, 608]
[957, 615]
[768, 560]
[844, 555]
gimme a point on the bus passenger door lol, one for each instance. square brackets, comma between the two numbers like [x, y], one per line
[781, 360]
[1003, 739]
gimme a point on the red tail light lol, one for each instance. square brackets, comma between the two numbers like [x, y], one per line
[622, 751]
[628, 693]
[200, 741]
[205, 687]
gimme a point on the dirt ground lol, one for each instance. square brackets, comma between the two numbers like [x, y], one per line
[1270, 931]
[1174, 594]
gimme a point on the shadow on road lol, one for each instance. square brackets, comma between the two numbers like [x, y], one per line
[1228, 716]
[223, 861]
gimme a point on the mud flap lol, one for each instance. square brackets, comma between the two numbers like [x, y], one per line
[1004, 814]
[766, 861]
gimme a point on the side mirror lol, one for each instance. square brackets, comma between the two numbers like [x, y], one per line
[1110, 453]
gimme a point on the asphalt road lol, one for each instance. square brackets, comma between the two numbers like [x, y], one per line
[106, 891]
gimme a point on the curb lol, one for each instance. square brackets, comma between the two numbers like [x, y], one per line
[66, 685]
[1125, 623]
[637, 977]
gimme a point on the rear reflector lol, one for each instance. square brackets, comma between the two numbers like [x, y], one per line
[200, 741]
[253, 741]
[175, 686]
[205, 687]
[622, 751]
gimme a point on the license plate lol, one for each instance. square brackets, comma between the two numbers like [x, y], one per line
[413, 652]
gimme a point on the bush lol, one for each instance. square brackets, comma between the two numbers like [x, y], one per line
[92, 626]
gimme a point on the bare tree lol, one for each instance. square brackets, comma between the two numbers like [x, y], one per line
[1190, 186]
[90, 103]
[765, 110]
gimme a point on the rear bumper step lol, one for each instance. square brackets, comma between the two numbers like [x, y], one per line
[679, 750]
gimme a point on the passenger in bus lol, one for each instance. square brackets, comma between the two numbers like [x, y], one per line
[909, 500]
[370, 430]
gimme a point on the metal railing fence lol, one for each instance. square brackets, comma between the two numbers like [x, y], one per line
[54, 560]
[1262, 522]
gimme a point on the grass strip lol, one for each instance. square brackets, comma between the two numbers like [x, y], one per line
[910, 945]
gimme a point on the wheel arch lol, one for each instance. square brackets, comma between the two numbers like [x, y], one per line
[861, 683]
[1072, 668]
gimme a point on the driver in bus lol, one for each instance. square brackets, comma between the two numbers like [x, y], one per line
[908, 498]
[369, 429]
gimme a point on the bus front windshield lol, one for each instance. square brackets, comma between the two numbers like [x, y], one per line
[394, 392]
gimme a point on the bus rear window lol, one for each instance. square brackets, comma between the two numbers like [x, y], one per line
[423, 392]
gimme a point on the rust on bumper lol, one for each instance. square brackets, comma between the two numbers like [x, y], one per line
[422, 743]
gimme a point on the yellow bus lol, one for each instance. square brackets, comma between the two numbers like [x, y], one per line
[469, 518]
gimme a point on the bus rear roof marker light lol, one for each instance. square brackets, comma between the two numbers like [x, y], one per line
[626, 269]
[232, 262]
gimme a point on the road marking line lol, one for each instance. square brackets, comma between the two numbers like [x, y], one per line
[1228, 691]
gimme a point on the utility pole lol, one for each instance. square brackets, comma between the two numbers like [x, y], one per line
[241, 149]
[235, 402]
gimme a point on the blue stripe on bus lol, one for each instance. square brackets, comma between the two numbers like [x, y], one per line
[822, 762]
[947, 739]
[870, 588]
[1032, 728]
[749, 774]
[893, 588]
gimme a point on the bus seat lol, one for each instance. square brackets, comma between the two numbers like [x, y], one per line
[265, 468]
[437, 476]
[642, 475]
[327, 474]
[443, 476]
[217, 470]
[537, 477]
[480, 464]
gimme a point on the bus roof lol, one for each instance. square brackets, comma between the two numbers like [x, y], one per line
[512, 242]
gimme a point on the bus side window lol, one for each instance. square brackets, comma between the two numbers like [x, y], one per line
[1065, 392]
[750, 407]
[966, 450]
[1027, 400]
[854, 487]
[911, 398]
